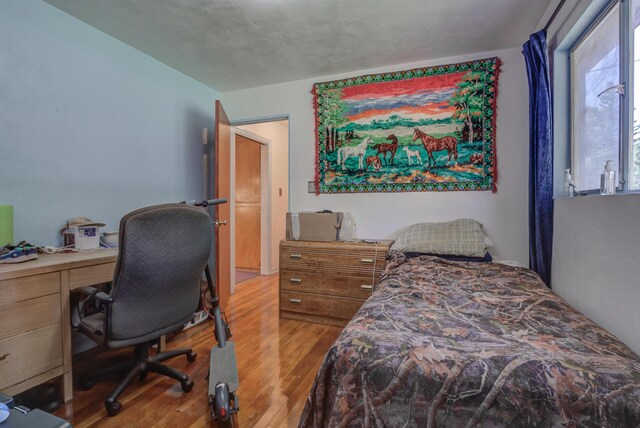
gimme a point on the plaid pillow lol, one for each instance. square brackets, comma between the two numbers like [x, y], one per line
[462, 237]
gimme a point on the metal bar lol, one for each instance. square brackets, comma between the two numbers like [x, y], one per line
[554, 15]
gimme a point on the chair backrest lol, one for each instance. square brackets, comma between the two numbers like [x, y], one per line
[163, 251]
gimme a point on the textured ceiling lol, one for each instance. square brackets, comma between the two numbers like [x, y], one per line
[234, 44]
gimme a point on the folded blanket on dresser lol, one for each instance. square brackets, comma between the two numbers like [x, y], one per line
[443, 343]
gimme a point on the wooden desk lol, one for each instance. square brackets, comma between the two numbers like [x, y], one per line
[35, 316]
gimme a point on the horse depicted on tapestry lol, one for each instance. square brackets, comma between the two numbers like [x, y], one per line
[433, 144]
[358, 150]
[388, 148]
[374, 161]
[444, 115]
[412, 154]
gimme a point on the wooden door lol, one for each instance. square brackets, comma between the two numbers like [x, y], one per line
[248, 204]
[222, 180]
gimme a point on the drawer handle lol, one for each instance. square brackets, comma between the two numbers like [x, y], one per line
[367, 261]
[4, 357]
[295, 280]
[295, 256]
[366, 287]
[295, 300]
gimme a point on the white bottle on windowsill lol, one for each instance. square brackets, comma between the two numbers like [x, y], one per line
[608, 180]
[567, 188]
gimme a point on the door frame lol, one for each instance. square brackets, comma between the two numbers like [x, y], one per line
[265, 201]
[274, 118]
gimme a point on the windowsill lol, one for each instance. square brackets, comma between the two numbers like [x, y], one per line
[598, 195]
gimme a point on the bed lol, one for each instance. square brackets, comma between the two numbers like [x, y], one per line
[445, 343]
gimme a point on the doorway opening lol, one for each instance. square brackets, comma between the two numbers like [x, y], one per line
[259, 196]
[248, 207]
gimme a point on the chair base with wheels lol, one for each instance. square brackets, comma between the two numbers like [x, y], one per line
[143, 364]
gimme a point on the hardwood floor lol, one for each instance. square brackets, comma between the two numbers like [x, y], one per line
[277, 362]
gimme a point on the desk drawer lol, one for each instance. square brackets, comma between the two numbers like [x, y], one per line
[348, 286]
[326, 306]
[30, 354]
[21, 317]
[91, 275]
[29, 287]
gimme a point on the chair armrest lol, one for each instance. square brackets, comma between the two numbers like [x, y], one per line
[104, 297]
[77, 308]
[94, 292]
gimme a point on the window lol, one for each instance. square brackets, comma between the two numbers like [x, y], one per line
[605, 108]
[634, 161]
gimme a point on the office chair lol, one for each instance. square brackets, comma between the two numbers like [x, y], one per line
[163, 251]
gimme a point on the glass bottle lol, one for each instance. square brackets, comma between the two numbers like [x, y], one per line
[608, 180]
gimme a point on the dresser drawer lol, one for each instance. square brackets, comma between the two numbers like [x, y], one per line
[21, 317]
[30, 354]
[348, 286]
[315, 304]
[349, 263]
[29, 287]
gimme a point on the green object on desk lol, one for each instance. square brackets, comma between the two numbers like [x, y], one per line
[6, 224]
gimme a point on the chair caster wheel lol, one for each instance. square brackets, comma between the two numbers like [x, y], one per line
[86, 383]
[113, 407]
[191, 357]
[187, 385]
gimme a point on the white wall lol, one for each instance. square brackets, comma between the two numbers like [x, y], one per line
[380, 215]
[90, 126]
[596, 260]
[278, 134]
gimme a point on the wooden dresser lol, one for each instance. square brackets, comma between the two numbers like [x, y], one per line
[327, 282]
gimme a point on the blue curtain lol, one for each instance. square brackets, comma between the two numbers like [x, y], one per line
[540, 156]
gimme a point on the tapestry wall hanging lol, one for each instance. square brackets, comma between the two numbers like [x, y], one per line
[427, 129]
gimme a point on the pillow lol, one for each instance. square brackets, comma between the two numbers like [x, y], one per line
[462, 237]
[486, 259]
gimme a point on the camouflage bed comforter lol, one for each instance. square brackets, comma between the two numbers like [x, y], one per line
[451, 344]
